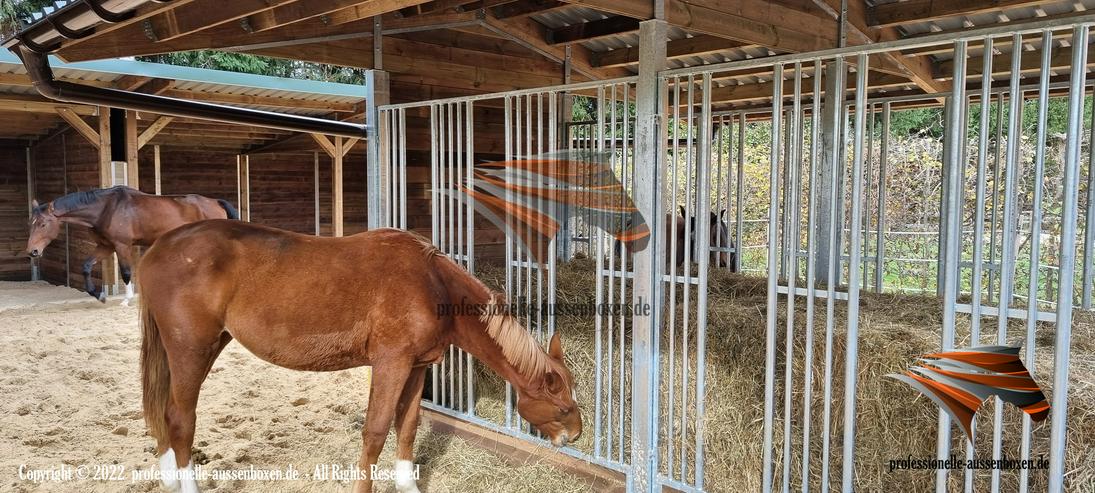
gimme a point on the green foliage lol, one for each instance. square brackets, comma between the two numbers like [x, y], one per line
[12, 12]
[255, 64]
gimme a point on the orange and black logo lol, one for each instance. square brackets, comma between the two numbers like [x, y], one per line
[960, 381]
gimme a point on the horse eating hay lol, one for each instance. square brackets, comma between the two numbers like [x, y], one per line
[321, 304]
[119, 218]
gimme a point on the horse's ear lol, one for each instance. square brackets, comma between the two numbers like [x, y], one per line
[722, 214]
[34, 204]
[555, 347]
[49, 209]
[683, 213]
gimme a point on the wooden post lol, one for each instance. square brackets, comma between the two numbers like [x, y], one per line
[131, 168]
[106, 179]
[156, 167]
[30, 206]
[336, 187]
[243, 186]
[315, 158]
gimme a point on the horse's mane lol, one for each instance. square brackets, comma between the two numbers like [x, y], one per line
[76, 200]
[518, 346]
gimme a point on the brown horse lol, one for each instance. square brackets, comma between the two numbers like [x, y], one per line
[120, 218]
[384, 298]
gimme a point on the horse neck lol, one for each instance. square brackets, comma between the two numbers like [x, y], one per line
[86, 215]
[471, 335]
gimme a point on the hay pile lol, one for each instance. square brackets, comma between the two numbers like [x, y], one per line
[893, 421]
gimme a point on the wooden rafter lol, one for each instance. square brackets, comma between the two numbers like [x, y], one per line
[152, 130]
[523, 8]
[917, 69]
[300, 11]
[910, 11]
[533, 35]
[80, 126]
[698, 45]
[156, 86]
[585, 31]
[130, 82]
[775, 25]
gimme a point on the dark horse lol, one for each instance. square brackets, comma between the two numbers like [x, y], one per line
[719, 240]
[119, 218]
[382, 298]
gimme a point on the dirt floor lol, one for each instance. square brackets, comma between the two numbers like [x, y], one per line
[70, 396]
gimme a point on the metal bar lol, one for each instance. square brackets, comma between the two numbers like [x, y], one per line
[578, 86]
[852, 344]
[952, 217]
[1089, 223]
[997, 173]
[811, 281]
[1007, 258]
[791, 163]
[701, 291]
[376, 83]
[833, 120]
[1067, 261]
[773, 264]
[880, 238]
[1036, 234]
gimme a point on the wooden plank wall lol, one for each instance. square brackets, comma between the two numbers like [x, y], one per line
[64, 164]
[13, 212]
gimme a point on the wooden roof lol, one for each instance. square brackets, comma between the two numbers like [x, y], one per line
[30, 117]
[494, 45]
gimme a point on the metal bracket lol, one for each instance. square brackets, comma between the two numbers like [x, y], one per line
[149, 32]
[246, 25]
[106, 15]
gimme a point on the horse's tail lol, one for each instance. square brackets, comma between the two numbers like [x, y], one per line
[229, 208]
[155, 376]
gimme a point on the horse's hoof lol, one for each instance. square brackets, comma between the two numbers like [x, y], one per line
[102, 297]
[125, 302]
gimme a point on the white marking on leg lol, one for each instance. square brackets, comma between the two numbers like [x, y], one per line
[168, 471]
[128, 293]
[189, 480]
[406, 474]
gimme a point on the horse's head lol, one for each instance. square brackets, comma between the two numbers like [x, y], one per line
[718, 237]
[550, 407]
[44, 227]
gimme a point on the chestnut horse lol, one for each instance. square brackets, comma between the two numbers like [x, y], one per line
[120, 218]
[380, 298]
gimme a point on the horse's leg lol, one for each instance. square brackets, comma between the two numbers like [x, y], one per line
[100, 252]
[406, 424]
[388, 382]
[189, 364]
[125, 266]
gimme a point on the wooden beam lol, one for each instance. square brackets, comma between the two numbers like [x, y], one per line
[1060, 58]
[81, 126]
[156, 168]
[695, 46]
[156, 86]
[775, 25]
[523, 8]
[917, 69]
[336, 187]
[202, 14]
[243, 186]
[585, 31]
[276, 102]
[533, 35]
[348, 145]
[130, 82]
[910, 11]
[132, 168]
[153, 129]
[325, 144]
[300, 11]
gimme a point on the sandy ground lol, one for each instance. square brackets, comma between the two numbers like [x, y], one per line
[70, 397]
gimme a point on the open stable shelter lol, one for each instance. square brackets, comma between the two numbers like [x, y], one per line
[667, 90]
